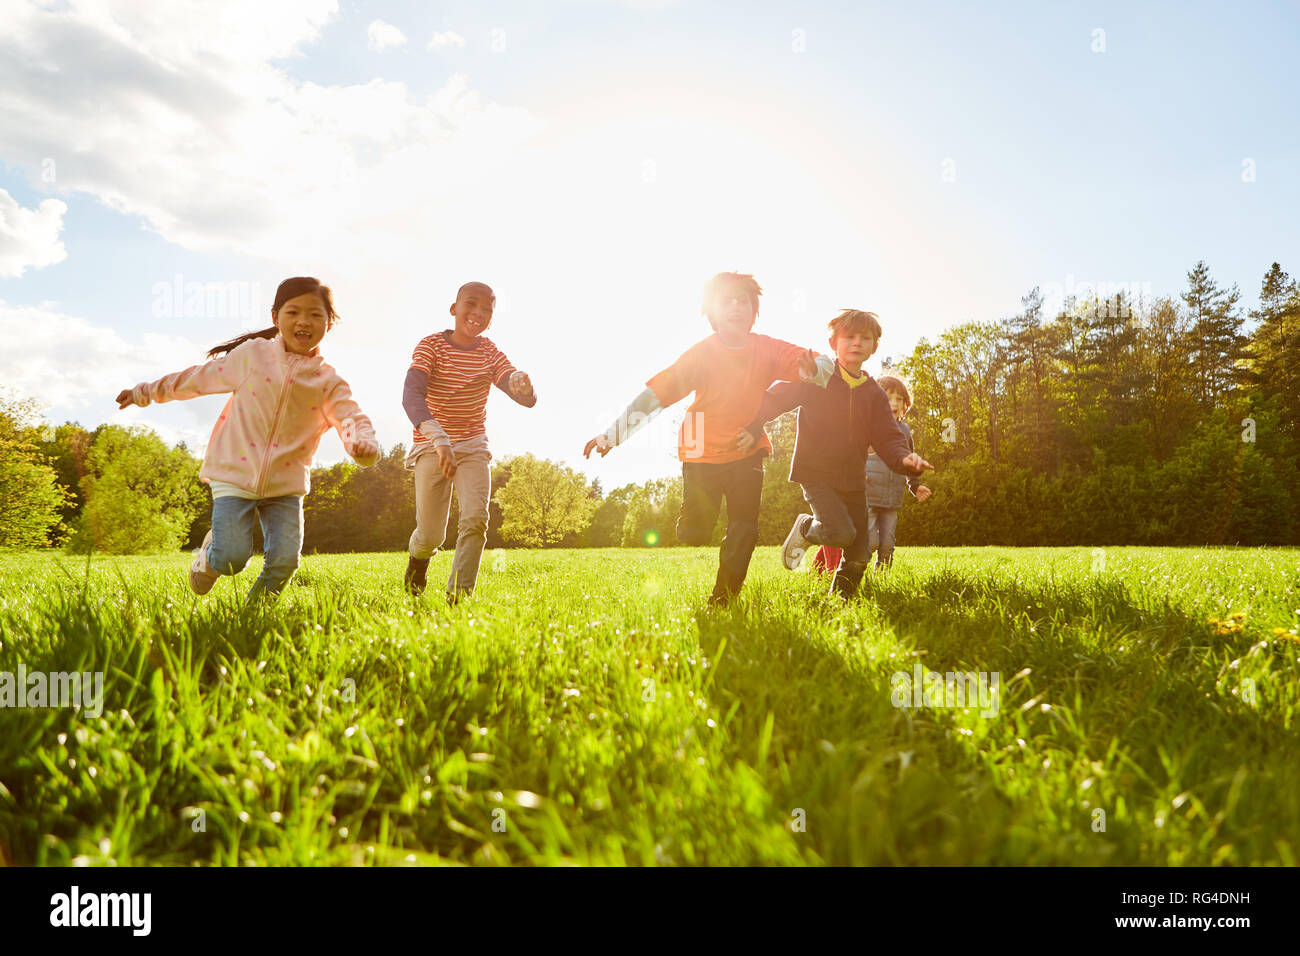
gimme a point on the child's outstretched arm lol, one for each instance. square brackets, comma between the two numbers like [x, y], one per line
[345, 415]
[642, 408]
[663, 390]
[510, 380]
[793, 363]
[518, 386]
[817, 370]
[777, 400]
[223, 374]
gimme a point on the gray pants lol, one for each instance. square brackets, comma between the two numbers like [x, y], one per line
[473, 484]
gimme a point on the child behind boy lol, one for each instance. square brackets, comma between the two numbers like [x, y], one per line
[728, 372]
[836, 426]
[445, 397]
[884, 487]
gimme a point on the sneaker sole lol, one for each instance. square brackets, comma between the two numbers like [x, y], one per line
[792, 554]
[201, 582]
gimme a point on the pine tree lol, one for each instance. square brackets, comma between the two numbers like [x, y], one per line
[1216, 343]
[1275, 346]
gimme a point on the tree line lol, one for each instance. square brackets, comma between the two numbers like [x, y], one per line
[1109, 421]
[1113, 421]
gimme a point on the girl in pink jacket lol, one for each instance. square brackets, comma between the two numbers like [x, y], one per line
[258, 463]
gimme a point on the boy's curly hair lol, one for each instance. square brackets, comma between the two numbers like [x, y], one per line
[725, 280]
[892, 383]
[855, 322]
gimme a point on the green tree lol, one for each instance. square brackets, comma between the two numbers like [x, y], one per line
[64, 449]
[606, 528]
[496, 517]
[1031, 353]
[652, 512]
[1171, 404]
[140, 496]
[31, 499]
[1215, 342]
[1275, 346]
[542, 502]
[355, 509]
[782, 498]
[385, 496]
[329, 510]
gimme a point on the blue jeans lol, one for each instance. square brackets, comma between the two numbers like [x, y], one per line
[881, 524]
[840, 521]
[232, 538]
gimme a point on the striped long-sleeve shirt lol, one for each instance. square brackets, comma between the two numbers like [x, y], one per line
[457, 386]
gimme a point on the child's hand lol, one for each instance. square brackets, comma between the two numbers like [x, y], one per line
[446, 461]
[816, 369]
[124, 398]
[600, 443]
[917, 463]
[745, 440]
[922, 493]
[520, 385]
[365, 449]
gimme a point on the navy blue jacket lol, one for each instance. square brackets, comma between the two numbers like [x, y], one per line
[836, 424]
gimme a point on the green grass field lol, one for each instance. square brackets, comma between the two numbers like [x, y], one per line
[585, 707]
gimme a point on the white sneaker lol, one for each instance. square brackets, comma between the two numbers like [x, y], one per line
[795, 544]
[202, 577]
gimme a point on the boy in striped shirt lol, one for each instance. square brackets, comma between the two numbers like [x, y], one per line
[445, 397]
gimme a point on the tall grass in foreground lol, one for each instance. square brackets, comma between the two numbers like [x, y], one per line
[585, 707]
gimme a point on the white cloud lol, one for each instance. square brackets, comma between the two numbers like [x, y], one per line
[449, 38]
[181, 114]
[74, 368]
[29, 237]
[381, 35]
[68, 362]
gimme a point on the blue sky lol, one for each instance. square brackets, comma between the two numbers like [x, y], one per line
[596, 161]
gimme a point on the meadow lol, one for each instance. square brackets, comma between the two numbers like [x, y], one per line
[586, 707]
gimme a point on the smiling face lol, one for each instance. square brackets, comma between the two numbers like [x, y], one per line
[731, 313]
[854, 349]
[302, 321]
[473, 309]
[897, 403]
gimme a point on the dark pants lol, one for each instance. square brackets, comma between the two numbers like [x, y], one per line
[704, 485]
[840, 521]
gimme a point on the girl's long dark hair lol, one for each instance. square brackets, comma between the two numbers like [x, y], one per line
[288, 289]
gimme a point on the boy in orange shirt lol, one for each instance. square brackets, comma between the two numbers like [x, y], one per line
[728, 372]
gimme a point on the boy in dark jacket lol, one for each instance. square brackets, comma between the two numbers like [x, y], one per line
[836, 427]
[885, 490]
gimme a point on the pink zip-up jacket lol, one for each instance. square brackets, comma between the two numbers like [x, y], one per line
[282, 403]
